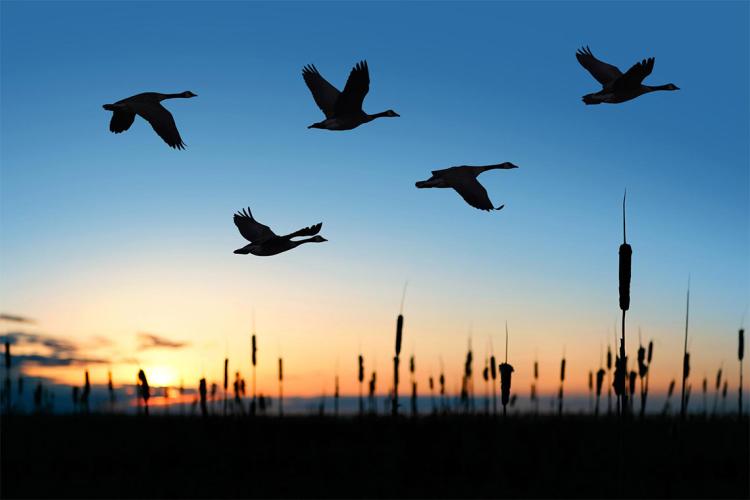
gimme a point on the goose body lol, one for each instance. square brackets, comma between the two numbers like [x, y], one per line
[148, 106]
[617, 86]
[343, 110]
[463, 179]
[264, 242]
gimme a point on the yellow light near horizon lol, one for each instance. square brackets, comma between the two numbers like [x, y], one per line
[161, 375]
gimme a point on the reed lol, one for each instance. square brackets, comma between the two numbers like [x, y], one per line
[740, 356]
[226, 383]
[717, 389]
[467, 380]
[625, 265]
[360, 379]
[85, 393]
[631, 386]
[144, 389]
[399, 334]
[6, 391]
[534, 386]
[704, 390]
[111, 390]
[486, 378]
[724, 390]
[591, 391]
[431, 384]
[599, 381]
[560, 393]
[281, 388]
[254, 360]
[493, 373]
[336, 396]
[685, 357]
[413, 387]
[506, 372]
[442, 389]
[644, 369]
[609, 379]
[371, 392]
[670, 391]
[202, 392]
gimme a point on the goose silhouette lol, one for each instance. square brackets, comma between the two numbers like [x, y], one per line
[264, 242]
[343, 110]
[463, 179]
[148, 106]
[616, 86]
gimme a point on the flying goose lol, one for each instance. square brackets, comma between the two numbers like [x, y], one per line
[343, 110]
[464, 180]
[616, 86]
[148, 106]
[264, 242]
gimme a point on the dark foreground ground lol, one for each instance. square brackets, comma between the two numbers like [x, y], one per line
[128, 456]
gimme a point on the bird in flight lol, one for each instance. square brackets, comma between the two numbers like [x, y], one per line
[343, 110]
[464, 180]
[148, 106]
[616, 86]
[264, 242]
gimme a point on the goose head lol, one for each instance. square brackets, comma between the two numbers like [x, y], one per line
[187, 94]
[671, 86]
[391, 114]
[317, 239]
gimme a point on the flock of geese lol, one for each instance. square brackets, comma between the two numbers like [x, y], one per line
[343, 111]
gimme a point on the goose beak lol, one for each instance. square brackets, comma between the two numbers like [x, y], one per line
[420, 184]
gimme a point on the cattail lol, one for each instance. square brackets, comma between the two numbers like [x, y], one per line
[670, 390]
[591, 390]
[7, 355]
[226, 383]
[560, 393]
[399, 334]
[562, 370]
[202, 392]
[650, 351]
[110, 388]
[599, 382]
[536, 370]
[685, 357]
[626, 253]
[493, 373]
[646, 370]
[371, 392]
[631, 387]
[336, 396]
[717, 388]
[609, 379]
[724, 390]
[281, 388]
[506, 372]
[145, 391]
[740, 356]
[414, 398]
[360, 379]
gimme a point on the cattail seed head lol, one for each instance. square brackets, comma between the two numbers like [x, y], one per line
[506, 372]
[361, 373]
[7, 355]
[633, 376]
[110, 387]
[281, 370]
[609, 358]
[562, 370]
[670, 391]
[442, 384]
[650, 351]
[399, 330]
[533, 392]
[686, 365]
[724, 390]
[145, 391]
[718, 379]
[493, 369]
[536, 370]
[202, 392]
[642, 366]
[411, 365]
[486, 373]
[626, 253]
[621, 375]
[226, 373]
[254, 351]
[705, 385]
[591, 380]
[599, 381]
[432, 383]
[740, 351]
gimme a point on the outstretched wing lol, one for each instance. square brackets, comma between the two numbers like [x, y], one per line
[473, 193]
[357, 86]
[161, 121]
[324, 93]
[307, 231]
[252, 230]
[603, 72]
[635, 75]
[121, 121]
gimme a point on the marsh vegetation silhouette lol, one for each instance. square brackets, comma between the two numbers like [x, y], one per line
[343, 110]
[264, 242]
[616, 86]
[148, 106]
[463, 179]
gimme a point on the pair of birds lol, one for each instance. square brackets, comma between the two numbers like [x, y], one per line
[343, 111]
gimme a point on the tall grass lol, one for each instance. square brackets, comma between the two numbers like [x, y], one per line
[486, 378]
[562, 381]
[413, 387]
[609, 379]
[599, 381]
[360, 379]
[493, 373]
[534, 395]
[86, 392]
[226, 383]
[281, 388]
[670, 391]
[685, 357]
[254, 360]
[399, 333]
[717, 389]
[371, 392]
[740, 356]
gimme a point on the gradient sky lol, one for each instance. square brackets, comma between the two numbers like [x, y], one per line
[104, 236]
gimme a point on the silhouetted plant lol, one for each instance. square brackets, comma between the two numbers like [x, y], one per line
[704, 389]
[468, 379]
[670, 391]
[724, 396]
[562, 380]
[740, 356]
[226, 383]
[85, 393]
[431, 384]
[413, 387]
[336, 396]
[214, 391]
[717, 389]
[685, 357]
[631, 386]
[599, 382]
[371, 392]
[534, 395]
[38, 398]
[643, 372]
[281, 389]
[442, 389]
[111, 390]
[399, 330]
[145, 391]
[506, 372]
[486, 378]
[609, 379]
[493, 373]
[254, 359]
[625, 254]
[360, 379]
[202, 393]
[591, 390]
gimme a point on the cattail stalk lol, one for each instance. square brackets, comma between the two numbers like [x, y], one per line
[281, 388]
[145, 391]
[534, 386]
[226, 383]
[361, 378]
[506, 372]
[399, 332]
[336, 396]
[202, 392]
[685, 356]
[609, 379]
[493, 373]
[562, 380]
[254, 359]
[599, 381]
[717, 389]
[740, 356]
[7, 377]
[625, 253]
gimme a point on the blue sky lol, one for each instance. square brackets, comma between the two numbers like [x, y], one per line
[107, 234]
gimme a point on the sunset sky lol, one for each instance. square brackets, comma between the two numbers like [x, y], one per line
[104, 237]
